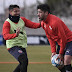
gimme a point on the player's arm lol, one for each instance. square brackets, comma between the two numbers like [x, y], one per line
[62, 37]
[6, 31]
[53, 45]
[31, 24]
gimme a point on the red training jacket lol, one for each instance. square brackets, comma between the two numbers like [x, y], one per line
[56, 31]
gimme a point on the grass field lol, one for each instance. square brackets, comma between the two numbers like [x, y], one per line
[39, 59]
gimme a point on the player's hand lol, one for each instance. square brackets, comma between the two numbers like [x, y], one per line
[53, 54]
[60, 56]
[18, 31]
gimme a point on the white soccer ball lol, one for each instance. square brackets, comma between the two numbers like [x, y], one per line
[55, 62]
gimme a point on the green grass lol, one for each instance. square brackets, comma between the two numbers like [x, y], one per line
[36, 53]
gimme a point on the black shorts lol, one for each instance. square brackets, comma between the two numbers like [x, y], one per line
[68, 49]
[16, 51]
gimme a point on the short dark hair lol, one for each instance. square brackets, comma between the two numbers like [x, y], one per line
[44, 7]
[13, 6]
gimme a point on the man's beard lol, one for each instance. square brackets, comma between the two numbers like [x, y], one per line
[14, 18]
[40, 19]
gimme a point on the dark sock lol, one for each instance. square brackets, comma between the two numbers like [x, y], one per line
[17, 69]
[63, 69]
[68, 68]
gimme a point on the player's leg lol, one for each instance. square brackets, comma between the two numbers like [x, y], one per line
[23, 61]
[68, 57]
[14, 52]
[67, 63]
[19, 55]
[17, 69]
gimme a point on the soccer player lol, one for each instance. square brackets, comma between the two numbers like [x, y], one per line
[15, 35]
[56, 31]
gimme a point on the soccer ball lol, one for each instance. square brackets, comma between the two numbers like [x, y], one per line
[55, 62]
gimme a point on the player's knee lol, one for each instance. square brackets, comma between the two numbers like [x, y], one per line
[67, 60]
[23, 59]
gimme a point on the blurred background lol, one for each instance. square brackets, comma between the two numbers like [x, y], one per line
[38, 50]
[60, 8]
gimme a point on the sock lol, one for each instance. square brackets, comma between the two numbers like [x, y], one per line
[68, 68]
[63, 69]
